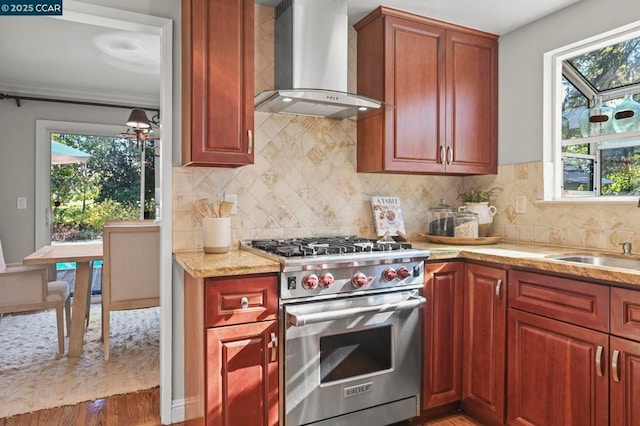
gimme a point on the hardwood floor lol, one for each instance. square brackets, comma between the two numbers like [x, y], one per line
[451, 420]
[133, 409]
[143, 409]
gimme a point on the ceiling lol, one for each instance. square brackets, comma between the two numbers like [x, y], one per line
[55, 58]
[493, 16]
[51, 57]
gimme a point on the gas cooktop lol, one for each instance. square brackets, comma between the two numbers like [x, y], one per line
[307, 251]
[314, 246]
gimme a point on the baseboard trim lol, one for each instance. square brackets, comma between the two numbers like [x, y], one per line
[177, 410]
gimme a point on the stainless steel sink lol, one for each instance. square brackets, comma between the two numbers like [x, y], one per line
[615, 262]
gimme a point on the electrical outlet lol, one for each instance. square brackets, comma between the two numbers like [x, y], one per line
[521, 204]
[21, 203]
[234, 199]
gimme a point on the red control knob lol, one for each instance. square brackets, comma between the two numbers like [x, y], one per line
[360, 280]
[310, 281]
[389, 274]
[403, 273]
[326, 280]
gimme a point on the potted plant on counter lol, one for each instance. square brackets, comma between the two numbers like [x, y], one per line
[476, 200]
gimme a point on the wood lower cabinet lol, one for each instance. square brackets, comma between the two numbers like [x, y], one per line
[242, 386]
[624, 384]
[217, 88]
[440, 82]
[231, 345]
[484, 333]
[557, 372]
[442, 334]
[558, 351]
[624, 348]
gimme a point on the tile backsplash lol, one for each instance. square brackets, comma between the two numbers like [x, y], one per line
[584, 225]
[304, 182]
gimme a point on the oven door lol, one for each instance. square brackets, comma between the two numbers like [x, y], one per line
[350, 354]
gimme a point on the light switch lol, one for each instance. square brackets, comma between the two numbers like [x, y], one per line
[22, 203]
[233, 198]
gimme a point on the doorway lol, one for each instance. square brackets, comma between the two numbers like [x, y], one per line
[129, 21]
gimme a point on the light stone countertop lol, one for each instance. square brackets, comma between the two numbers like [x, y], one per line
[235, 262]
[535, 256]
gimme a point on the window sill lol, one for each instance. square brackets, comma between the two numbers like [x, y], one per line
[622, 200]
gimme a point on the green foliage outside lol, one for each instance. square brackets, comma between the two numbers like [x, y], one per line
[611, 67]
[84, 197]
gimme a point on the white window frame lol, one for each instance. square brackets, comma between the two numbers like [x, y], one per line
[552, 113]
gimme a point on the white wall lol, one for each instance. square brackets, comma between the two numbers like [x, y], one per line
[165, 9]
[520, 70]
[17, 163]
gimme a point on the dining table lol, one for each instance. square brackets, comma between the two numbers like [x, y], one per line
[83, 254]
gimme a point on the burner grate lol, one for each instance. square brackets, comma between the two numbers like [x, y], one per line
[318, 246]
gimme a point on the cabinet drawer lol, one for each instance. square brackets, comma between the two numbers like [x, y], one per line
[564, 299]
[238, 300]
[625, 313]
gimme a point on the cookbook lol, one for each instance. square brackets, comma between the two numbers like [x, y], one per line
[387, 215]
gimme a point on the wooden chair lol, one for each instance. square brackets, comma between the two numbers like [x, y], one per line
[131, 269]
[26, 288]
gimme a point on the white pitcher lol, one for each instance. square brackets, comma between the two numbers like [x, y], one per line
[485, 214]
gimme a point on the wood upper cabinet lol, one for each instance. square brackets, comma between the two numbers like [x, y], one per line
[217, 76]
[442, 334]
[484, 344]
[472, 104]
[440, 83]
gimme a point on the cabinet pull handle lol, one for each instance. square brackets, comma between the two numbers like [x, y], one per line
[499, 290]
[244, 302]
[449, 155]
[599, 361]
[441, 154]
[274, 347]
[614, 366]
[250, 137]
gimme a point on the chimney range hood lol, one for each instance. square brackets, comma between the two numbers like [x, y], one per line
[311, 45]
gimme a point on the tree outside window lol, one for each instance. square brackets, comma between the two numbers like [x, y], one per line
[107, 187]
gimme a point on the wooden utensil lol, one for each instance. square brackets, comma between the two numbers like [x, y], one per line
[203, 206]
[225, 208]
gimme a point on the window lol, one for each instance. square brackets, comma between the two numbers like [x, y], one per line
[594, 146]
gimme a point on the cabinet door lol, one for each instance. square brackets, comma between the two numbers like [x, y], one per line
[625, 382]
[401, 62]
[217, 82]
[484, 329]
[442, 334]
[242, 375]
[472, 103]
[416, 65]
[557, 373]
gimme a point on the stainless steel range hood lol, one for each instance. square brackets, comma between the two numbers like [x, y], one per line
[311, 45]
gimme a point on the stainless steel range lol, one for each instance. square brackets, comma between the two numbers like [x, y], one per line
[350, 317]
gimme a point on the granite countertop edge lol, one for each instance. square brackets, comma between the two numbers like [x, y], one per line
[514, 254]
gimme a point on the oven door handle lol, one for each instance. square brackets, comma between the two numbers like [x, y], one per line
[298, 320]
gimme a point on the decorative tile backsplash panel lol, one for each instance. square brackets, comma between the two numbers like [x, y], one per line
[598, 226]
[304, 182]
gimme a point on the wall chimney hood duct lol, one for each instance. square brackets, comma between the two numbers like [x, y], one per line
[311, 45]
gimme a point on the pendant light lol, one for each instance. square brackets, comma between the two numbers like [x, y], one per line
[138, 119]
